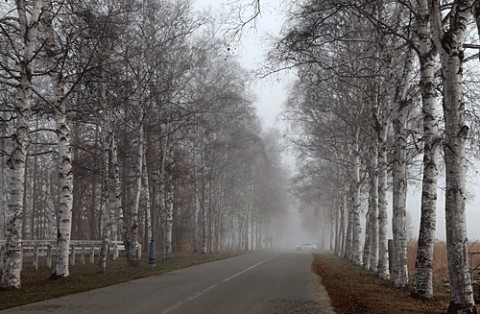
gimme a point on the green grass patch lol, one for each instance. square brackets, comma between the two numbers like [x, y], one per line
[36, 285]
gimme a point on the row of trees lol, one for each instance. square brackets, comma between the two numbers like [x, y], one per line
[365, 110]
[103, 103]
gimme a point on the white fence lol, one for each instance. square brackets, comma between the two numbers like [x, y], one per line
[47, 248]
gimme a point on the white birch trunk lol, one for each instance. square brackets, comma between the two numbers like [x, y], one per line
[344, 231]
[383, 264]
[423, 279]
[204, 213]
[167, 241]
[335, 239]
[12, 263]
[204, 207]
[3, 190]
[449, 40]
[161, 188]
[367, 243]
[341, 236]
[373, 207]
[196, 208]
[118, 210]
[66, 195]
[64, 149]
[356, 227]
[146, 199]
[51, 231]
[107, 214]
[349, 223]
[400, 271]
[133, 245]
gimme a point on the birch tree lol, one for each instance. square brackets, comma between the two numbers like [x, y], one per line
[24, 43]
[402, 106]
[449, 37]
[55, 72]
[423, 278]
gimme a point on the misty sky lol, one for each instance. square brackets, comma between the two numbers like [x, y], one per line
[271, 93]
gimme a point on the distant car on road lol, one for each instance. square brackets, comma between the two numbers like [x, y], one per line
[308, 246]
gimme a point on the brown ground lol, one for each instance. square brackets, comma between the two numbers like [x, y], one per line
[353, 290]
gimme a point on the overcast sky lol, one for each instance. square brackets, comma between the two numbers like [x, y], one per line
[271, 93]
[251, 49]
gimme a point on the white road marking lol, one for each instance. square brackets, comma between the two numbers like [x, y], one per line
[249, 268]
[186, 300]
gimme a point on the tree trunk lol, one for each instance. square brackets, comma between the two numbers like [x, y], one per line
[117, 190]
[66, 193]
[146, 202]
[167, 241]
[383, 269]
[349, 222]
[204, 206]
[133, 245]
[196, 207]
[402, 104]
[423, 279]
[356, 227]
[449, 41]
[367, 243]
[64, 150]
[12, 263]
[107, 214]
[373, 207]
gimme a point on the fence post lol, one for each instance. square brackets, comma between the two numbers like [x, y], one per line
[49, 255]
[36, 248]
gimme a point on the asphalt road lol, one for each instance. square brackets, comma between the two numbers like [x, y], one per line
[267, 282]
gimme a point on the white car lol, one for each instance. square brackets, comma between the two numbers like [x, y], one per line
[308, 246]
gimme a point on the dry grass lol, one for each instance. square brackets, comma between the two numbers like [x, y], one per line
[353, 290]
[357, 291]
[440, 263]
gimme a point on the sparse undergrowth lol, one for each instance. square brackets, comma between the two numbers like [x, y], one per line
[36, 285]
[354, 290]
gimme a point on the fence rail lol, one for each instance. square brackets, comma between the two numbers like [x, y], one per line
[47, 248]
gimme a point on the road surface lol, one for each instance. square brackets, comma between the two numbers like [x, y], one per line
[266, 282]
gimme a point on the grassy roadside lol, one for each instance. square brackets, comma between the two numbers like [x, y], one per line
[353, 290]
[37, 287]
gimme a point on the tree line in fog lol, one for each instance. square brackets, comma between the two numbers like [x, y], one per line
[122, 117]
[386, 92]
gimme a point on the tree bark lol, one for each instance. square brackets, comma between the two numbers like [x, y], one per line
[356, 184]
[133, 245]
[348, 252]
[423, 279]
[367, 243]
[64, 148]
[373, 207]
[402, 106]
[107, 212]
[167, 241]
[383, 258]
[12, 266]
[449, 40]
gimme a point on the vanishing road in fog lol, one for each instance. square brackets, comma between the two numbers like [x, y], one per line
[272, 282]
